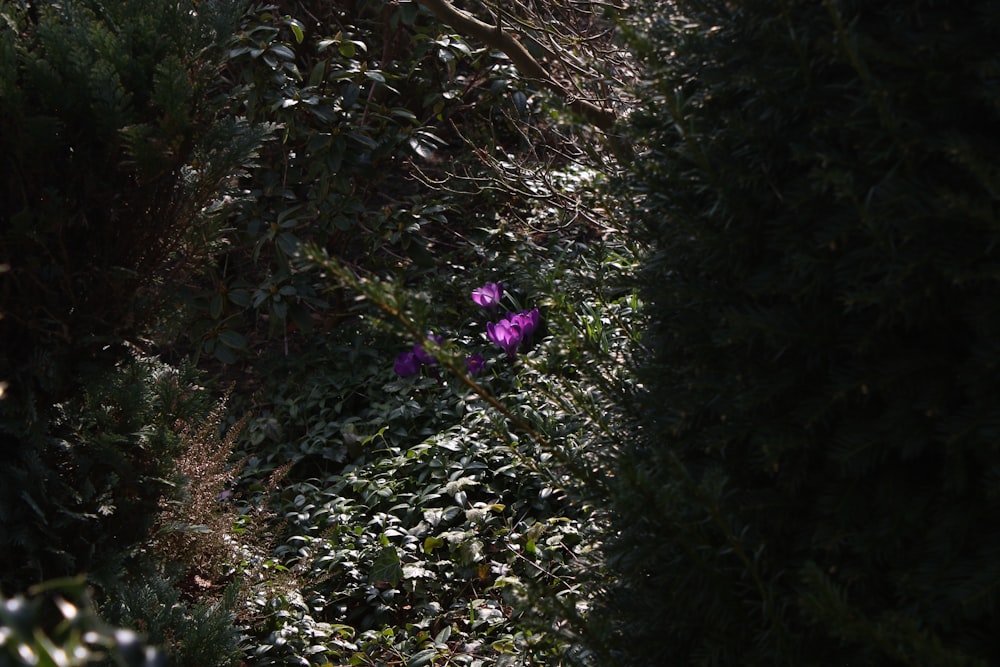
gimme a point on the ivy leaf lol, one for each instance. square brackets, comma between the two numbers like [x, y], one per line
[432, 543]
[386, 568]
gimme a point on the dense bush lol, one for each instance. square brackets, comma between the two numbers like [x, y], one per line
[113, 144]
[358, 93]
[820, 461]
[117, 147]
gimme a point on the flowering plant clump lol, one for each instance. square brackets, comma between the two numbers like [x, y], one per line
[421, 353]
[475, 364]
[410, 362]
[512, 333]
[406, 364]
[505, 334]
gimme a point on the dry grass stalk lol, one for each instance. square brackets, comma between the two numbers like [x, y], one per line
[195, 526]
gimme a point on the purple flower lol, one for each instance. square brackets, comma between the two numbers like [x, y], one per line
[527, 320]
[475, 364]
[514, 331]
[488, 296]
[407, 364]
[423, 355]
[505, 333]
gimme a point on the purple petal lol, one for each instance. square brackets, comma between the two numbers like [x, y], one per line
[506, 334]
[488, 296]
[475, 364]
[406, 364]
[423, 355]
[529, 321]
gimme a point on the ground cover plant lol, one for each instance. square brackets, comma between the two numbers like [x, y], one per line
[440, 504]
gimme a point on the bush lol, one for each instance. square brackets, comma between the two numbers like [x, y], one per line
[363, 94]
[820, 453]
[113, 147]
[198, 632]
[86, 495]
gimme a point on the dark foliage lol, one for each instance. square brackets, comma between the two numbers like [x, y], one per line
[111, 147]
[84, 494]
[55, 624]
[112, 144]
[818, 477]
[367, 98]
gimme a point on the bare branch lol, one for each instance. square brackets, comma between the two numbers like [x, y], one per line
[495, 37]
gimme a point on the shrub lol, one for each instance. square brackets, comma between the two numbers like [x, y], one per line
[362, 93]
[83, 497]
[185, 631]
[819, 458]
[113, 147]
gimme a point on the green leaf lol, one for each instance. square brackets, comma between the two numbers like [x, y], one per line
[297, 30]
[422, 658]
[283, 51]
[287, 213]
[408, 12]
[317, 73]
[386, 567]
[288, 242]
[432, 543]
[240, 297]
[215, 306]
[224, 354]
[443, 636]
[233, 339]
[362, 139]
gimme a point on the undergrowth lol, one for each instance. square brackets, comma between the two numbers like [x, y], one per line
[447, 517]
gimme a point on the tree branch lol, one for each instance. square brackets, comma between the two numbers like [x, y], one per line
[496, 38]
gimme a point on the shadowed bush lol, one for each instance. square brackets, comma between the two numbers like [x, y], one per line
[112, 143]
[820, 455]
